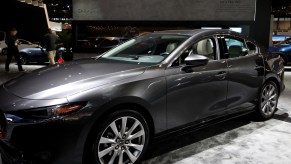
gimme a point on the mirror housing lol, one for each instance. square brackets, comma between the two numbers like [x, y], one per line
[195, 60]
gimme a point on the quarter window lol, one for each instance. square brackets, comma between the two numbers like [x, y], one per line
[252, 49]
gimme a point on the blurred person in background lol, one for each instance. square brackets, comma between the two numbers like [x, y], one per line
[12, 50]
[49, 42]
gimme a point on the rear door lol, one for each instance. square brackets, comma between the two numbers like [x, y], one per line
[245, 71]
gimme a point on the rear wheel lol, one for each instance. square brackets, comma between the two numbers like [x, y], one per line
[268, 100]
[122, 138]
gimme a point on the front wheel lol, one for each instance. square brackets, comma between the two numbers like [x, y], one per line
[268, 100]
[4, 51]
[121, 139]
[23, 60]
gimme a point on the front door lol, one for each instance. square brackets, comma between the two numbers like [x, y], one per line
[200, 92]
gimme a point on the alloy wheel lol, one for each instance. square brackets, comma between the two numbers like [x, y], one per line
[122, 141]
[4, 51]
[23, 60]
[269, 99]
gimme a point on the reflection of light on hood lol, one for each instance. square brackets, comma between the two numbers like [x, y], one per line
[62, 91]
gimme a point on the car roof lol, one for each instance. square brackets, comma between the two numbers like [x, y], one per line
[205, 32]
[198, 31]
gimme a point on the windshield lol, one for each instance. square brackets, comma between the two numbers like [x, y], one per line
[152, 48]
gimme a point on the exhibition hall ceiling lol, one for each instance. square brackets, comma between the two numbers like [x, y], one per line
[281, 8]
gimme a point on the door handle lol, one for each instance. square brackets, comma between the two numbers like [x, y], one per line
[221, 75]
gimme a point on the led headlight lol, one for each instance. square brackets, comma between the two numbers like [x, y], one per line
[51, 111]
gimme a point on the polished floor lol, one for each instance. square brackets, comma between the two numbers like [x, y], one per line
[242, 140]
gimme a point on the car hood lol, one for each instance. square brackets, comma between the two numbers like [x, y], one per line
[277, 47]
[60, 81]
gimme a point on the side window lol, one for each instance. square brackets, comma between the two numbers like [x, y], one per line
[235, 47]
[252, 49]
[205, 47]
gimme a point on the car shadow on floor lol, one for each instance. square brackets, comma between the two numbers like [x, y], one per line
[284, 117]
[178, 147]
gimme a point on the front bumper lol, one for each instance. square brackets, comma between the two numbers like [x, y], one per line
[24, 140]
[11, 155]
[53, 141]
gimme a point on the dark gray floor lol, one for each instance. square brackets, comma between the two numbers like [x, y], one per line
[242, 141]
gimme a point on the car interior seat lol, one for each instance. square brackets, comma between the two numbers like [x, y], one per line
[204, 47]
[235, 51]
[171, 47]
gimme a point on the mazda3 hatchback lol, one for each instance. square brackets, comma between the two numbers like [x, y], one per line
[108, 109]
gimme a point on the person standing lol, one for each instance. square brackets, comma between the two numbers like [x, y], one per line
[50, 40]
[12, 50]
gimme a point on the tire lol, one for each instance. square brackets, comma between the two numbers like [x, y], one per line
[123, 137]
[268, 101]
[23, 60]
[4, 51]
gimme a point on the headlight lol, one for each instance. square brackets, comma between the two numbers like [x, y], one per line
[50, 112]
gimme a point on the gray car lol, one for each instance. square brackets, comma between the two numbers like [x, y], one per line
[106, 110]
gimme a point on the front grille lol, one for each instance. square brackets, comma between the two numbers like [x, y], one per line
[2, 125]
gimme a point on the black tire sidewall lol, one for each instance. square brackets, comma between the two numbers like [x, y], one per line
[260, 112]
[112, 117]
[23, 59]
[4, 51]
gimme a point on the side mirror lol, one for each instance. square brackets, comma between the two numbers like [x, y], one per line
[194, 60]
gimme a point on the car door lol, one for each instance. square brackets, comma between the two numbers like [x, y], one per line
[200, 92]
[38, 55]
[245, 71]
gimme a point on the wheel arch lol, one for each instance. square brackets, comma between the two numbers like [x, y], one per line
[112, 107]
[276, 81]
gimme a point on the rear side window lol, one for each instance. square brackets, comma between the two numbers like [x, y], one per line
[235, 47]
[232, 47]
